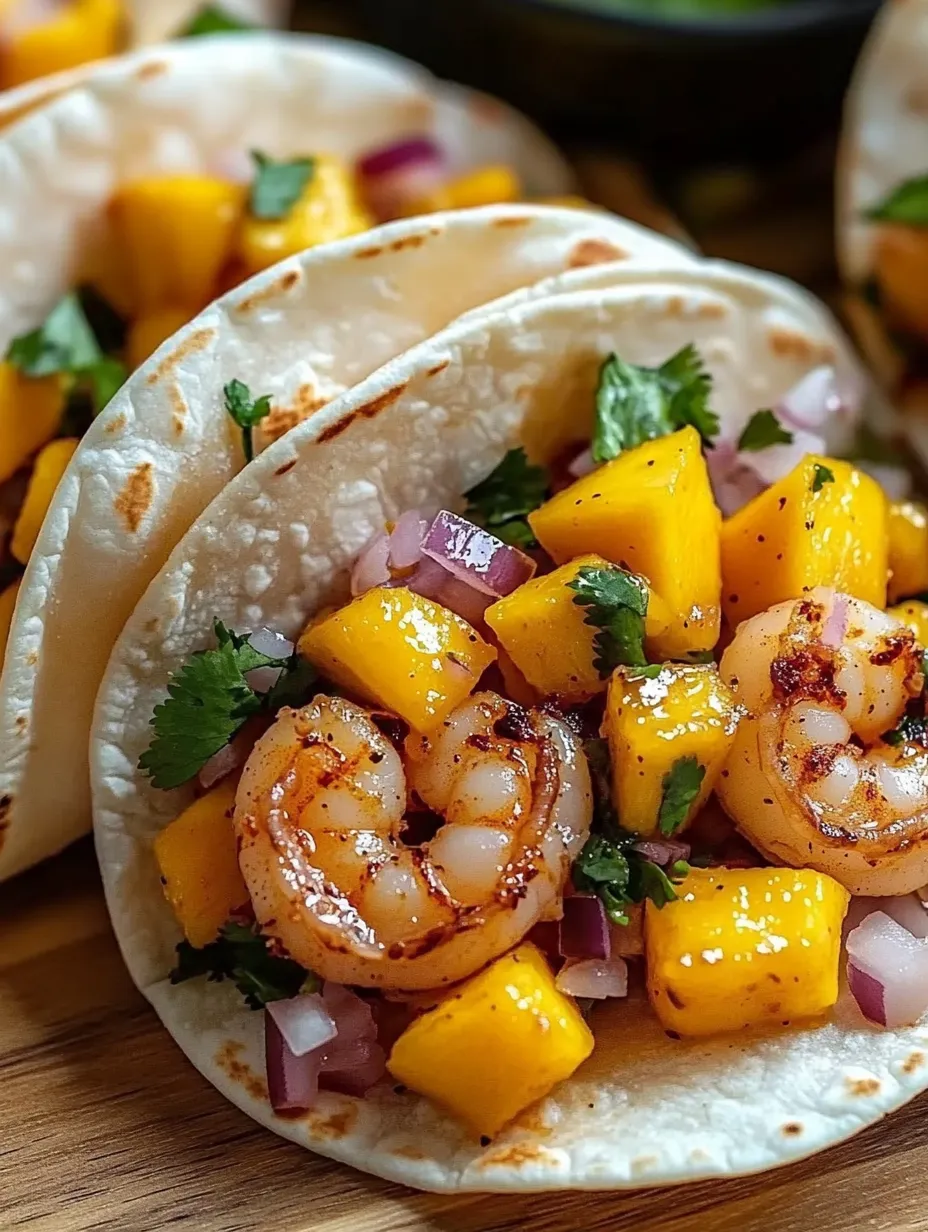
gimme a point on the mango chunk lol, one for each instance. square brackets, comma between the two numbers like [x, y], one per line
[148, 331]
[651, 511]
[30, 412]
[176, 233]
[908, 549]
[744, 948]
[85, 30]
[914, 615]
[399, 651]
[546, 635]
[495, 1045]
[198, 859]
[50, 465]
[329, 208]
[806, 530]
[7, 608]
[494, 184]
[652, 722]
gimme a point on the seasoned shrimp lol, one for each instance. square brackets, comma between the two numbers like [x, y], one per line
[321, 817]
[809, 780]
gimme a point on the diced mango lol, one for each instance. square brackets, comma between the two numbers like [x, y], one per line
[742, 948]
[805, 531]
[914, 615]
[651, 511]
[50, 465]
[546, 635]
[84, 30]
[7, 608]
[198, 858]
[30, 412]
[176, 233]
[147, 332]
[652, 722]
[495, 184]
[495, 1045]
[908, 549]
[329, 208]
[400, 651]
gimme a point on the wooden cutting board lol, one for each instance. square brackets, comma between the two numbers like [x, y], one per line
[105, 1125]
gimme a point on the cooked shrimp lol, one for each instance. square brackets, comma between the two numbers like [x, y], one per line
[809, 780]
[321, 816]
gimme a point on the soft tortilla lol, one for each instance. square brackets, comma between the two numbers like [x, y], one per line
[276, 545]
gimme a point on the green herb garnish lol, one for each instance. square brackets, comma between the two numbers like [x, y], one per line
[616, 603]
[761, 431]
[821, 476]
[211, 19]
[913, 728]
[907, 203]
[241, 954]
[636, 404]
[246, 411]
[277, 186]
[681, 786]
[501, 502]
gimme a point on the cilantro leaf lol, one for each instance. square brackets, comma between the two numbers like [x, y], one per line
[277, 186]
[636, 404]
[241, 954]
[211, 19]
[913, 728]
[64, 342]
[821, 476]
[246, 411]
[208, 701]
[907, 203]
[616, 603]
[602, 869]
[680, 786]
[295, 684]
[105, 378]
[501, 502]
[761, 431]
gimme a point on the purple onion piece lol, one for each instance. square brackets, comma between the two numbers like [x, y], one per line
[400, 155]
[292, 1081]
[584, 929]
[868, 993]
[475, 557]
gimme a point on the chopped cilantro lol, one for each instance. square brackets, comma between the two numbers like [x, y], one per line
[761, 431]
[636, 404]
[616, 603]
[106, 378]
[211, 19]
[907, 203]
[680, 788]
[913, 728]
[602, 869]
[821, 476]
[277, 186]
[502, 501]
[246, 412]
[241, 954]
[295, 685]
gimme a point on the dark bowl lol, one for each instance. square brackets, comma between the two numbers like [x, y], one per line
[668, 90]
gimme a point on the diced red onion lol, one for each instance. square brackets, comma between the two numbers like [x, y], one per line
[234, 165]
[389, 158]
[595, 978]
[406, 540]
[583, 931]
[835, 626]
[398, 174]
[354, 1060]
[546, 934]
[275, 646]
[582, 464]
[304, 1022]
[372, 568]
[228, 758]
[475, 557]
[813, 400]
[733, 482]
[663, 851]
[776, 461]
[434, 582]
[890, 957]
[909, 910]
[292, 1081]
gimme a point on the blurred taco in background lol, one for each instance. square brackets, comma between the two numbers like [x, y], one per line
[132, 202]
[410, 747]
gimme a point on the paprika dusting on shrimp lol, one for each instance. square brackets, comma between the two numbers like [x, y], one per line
[321, 822]
[810, 781]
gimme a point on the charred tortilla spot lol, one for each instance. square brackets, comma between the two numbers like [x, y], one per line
[228, 1058]
[335, 1125]
[438, 368]
[151, 70]
[192, 345]
[862, 1086]
[594, 252]
[134, 501]
[114, 424]
[792, 1129]
[415, 240]
[518, 220]
[790, 344]
[280, 286]
[368, 411]
[287, 466]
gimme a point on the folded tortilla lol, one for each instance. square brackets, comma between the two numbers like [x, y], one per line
[277, 544]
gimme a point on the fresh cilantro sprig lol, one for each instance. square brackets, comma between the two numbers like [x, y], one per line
[912, 729]
[241, 954]
[680, 787]
[616, 604]
[907, 204]
[501, 502]
[211, 19]
[277, 186]
[761, 431]
[820, 476]
[636, 404]
[246, 411]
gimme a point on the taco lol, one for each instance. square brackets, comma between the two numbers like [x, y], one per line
[410, 748]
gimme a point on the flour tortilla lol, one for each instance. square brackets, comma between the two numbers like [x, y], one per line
[165, 446]
[276, 545]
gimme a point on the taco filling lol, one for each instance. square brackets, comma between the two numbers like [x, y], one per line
[578, 736]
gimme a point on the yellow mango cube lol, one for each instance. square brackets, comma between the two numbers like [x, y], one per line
[329, 208]
[50, 465]
[805, 531]
[176, 233]
[908, 549]
[7, 608]
[545, 633]
[651, 722]
[30, 412]
[84, 30]
[399, 651]
[147, 332]
[198, 858]
[494, 184]
[502, 1040]
[914, 615]
[651, 511]
[743, 948]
